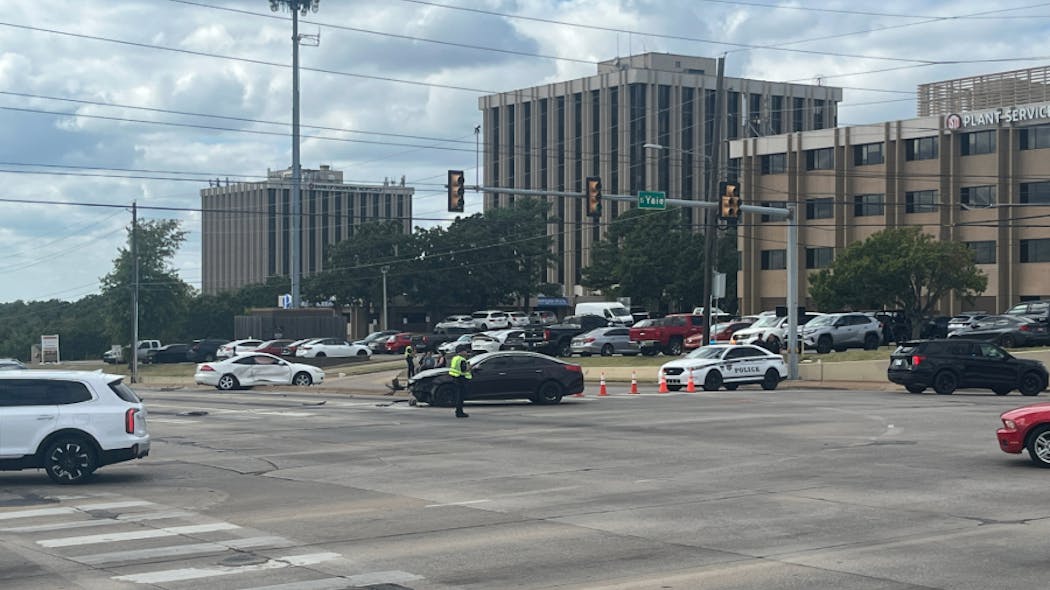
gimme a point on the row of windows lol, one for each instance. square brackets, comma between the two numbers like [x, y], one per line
[984, 252]
[920, 148]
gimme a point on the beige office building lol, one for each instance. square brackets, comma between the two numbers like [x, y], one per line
[245, 226]
[555, 135]
[977, 176]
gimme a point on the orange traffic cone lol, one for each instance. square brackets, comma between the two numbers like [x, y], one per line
[690, 386]
[663, 383]
[634, 383]
[601, 388]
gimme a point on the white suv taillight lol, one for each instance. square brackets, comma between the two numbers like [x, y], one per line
[135, 421]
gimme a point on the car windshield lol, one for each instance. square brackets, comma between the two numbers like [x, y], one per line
[706, 352]
[621, 312]
[823, 320]
[768, 321]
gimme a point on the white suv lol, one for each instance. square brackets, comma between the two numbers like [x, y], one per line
[491, 319]
[69, 423]
[840, 331]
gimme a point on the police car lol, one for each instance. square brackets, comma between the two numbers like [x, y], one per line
[729, 365]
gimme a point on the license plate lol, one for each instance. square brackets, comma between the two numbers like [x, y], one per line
[898, 362]
[648, 342]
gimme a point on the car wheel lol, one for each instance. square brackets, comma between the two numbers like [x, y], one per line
[824, 345]
[444, 396]
[915, 388]
[871, 342]
[674, 388]
[227, 383]
[1007, 341]
[1039, 445]
[320, 355]
[732, 386]
[302, 379]
[773, 345]
[1001, 390]
[550, 392]
[69, 460]
[770, 380]
[713, 381]
[565, 350]
[945, 383]
[484, 327]
[674, 348]
[607, 350]
[362, 353]
[1031, 383]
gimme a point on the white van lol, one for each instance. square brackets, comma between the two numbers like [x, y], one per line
[612, 311]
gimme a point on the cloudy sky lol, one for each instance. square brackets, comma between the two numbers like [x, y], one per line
[103, 103]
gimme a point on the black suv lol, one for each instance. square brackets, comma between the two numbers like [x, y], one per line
[203, 351]
[947, 365]
[1037, 310]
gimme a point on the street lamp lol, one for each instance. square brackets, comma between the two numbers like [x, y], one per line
[384, 270]
[295, 7]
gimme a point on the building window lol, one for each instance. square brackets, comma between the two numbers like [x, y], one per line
[977, 196]
[776, 116]
[869, 205]
[983, 252]
[818, 113]
[754, 115]
[775, 259]
[733, 169]
[1036, 193]
[819, 257]
[820, 208]
[920, 148]
[867, 154]
[1035, 250]
[822, 159]
[774, 164]
[798, 118]
[1035, 138]
[920, 202]
[733, 121]
[978, 142]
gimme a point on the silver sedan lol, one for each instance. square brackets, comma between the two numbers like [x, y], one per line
[604, 341]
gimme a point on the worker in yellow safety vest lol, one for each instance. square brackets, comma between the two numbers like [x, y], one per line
[459, 370]
[410, 359]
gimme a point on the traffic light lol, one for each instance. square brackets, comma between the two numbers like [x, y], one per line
[730, 201]
[594, 196]
[455, 191]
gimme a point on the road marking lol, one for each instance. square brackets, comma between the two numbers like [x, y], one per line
[182, 550]
[79, 524]
[153, 420]
[71, 509]
[369, 579]
[282, 413]
[112, 505]
[136, 535]
[458, 503]
[194, 573]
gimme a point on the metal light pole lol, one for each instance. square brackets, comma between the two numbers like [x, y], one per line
[296, 7]
[384, 270]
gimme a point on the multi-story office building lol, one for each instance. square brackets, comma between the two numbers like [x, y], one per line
[980, 177]
[987, 91]
[555, 135]
[246, 226]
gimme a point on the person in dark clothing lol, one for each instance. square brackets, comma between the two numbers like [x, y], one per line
[459, 370]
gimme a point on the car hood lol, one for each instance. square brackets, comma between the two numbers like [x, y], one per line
[690, 363]
[751, 332]
[429, 373]
[1025, 410]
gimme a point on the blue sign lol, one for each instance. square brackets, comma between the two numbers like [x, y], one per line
[552, 302]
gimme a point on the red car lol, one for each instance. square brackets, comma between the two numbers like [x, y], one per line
[396, 344]
[1027, 427]
[274, 347]
[723, 332]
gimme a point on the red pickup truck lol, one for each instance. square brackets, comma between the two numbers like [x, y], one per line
[666, 334]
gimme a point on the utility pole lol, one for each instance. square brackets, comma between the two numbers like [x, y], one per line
[134, 292]
[384, 270]
[294, 235]
[713, 176]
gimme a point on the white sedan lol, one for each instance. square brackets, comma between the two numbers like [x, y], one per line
[332, 347]
[728, 365]
[450, 346]
[231, 349]
[455, 322]
[255, 368]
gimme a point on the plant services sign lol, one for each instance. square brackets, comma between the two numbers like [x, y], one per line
[1014, 114]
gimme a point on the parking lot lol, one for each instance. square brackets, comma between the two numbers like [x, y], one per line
[745, 489]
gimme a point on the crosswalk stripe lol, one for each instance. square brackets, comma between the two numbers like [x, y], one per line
[369, 579]
[194, 573]
[79, 524]
[182, 550]
[113, 505]
[136, 535]
[36, 512]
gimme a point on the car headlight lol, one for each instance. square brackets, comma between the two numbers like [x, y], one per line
[1010, 424]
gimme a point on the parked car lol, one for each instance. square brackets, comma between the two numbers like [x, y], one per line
[374, 336]
[935, 327]
[1008, 331]
[639, 313]
[666, 335]
[397, 343]
[124, 354]
[729, 365]
[543, 318]
[1037, 310]
[494, 340]
[518, 319]
[967, 319]
[291, 348]
[11, 365]
[503, 375]
[169, 353]
[770, 331]
[557, 338]
[69, 423]
[1027, 427]
[236, 347]
[454, 321]
[251, 369]
[491, 319]
[840, 331]
[204, 350]
[895, 326]
[605, 341]
[331, 347]
[723, 333]
[449, 347]
[274, 347]
[947, 365]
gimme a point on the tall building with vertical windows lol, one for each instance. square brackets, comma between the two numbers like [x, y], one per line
[555, 135]
[981, 177]
[246, 226]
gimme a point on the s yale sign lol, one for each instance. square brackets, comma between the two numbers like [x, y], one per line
[652, 200]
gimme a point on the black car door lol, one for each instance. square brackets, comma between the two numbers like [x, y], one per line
[491, 378]
[993, 366]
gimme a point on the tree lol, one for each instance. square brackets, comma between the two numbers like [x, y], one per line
[898, 268]
[163, 296]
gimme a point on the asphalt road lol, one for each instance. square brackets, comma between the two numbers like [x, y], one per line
[792, 489]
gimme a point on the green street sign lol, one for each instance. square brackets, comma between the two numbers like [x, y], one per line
[652, 200]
